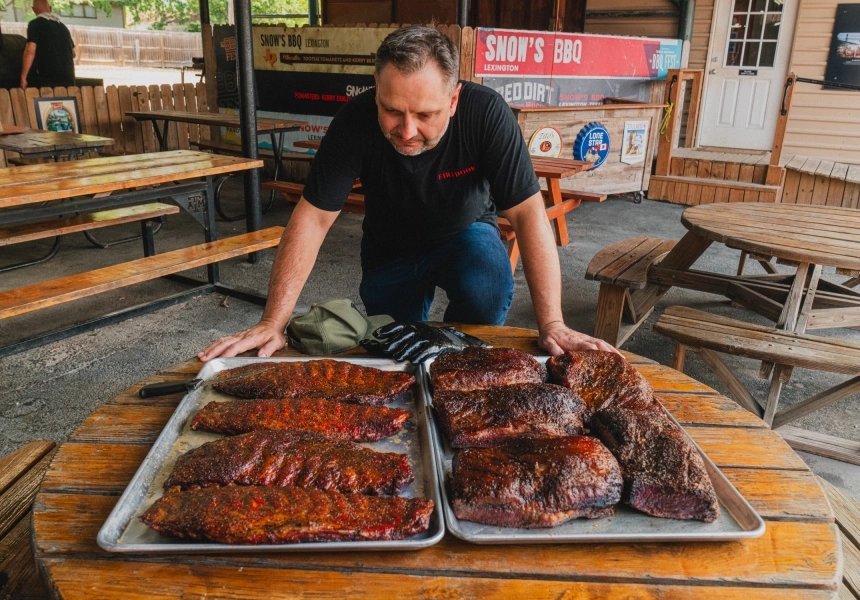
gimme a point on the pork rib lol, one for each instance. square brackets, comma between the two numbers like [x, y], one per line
[535, 483]
[299, 458]
[477, 368]
[334, 419]
[285, 515]
[328, 379]
[664, 474]
[497, 415]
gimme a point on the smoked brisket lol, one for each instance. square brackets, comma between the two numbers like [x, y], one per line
[285, 515]
[299, 458]
[337, 420]
[328, 379]
[535, 483]
[477, 368]
[497, 415]
[664, 474]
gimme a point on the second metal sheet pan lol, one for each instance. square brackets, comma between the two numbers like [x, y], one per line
[123, 531]
[738, 519]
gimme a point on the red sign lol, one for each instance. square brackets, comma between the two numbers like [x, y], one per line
[513, 53]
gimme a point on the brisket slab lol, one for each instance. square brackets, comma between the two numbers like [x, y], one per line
[286, 515]
[334, 419]
[497, 415]
[328, 379]
[535, 483]
[664, 474]
[477, 368]
[299, 458]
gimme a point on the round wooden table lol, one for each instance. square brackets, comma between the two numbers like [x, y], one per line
[797, 557]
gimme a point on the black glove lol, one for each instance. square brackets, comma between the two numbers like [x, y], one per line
[417, 341]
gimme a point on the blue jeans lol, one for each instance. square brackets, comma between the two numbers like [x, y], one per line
[472, 267]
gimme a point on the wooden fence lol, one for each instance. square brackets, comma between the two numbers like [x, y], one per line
[102, 112]
[123, 47]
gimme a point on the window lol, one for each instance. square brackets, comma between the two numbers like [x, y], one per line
[753, 33]
[79, 11]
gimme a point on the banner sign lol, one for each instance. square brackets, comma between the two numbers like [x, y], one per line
[530, 92]
[224, 40]
[516, 53]
[317, 49]
[843, 62]
[308, 93]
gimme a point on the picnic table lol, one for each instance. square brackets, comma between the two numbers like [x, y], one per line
[38, 201]
[36, 143]
[798, 556]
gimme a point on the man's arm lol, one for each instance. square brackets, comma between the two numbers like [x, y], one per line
[297, 253]
[543, 274]
[27, 63]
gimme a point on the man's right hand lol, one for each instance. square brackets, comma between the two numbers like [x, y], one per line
[265, 336]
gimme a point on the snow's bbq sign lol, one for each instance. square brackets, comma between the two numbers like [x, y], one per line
[535, 68]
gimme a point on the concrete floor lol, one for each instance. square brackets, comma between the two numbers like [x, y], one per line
[49, 390]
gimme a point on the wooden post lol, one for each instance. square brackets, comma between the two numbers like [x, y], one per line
[209, 78]
[774, 171]
[667, 139]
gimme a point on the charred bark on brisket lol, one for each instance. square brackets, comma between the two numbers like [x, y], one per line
[535, 483]
[477, 368]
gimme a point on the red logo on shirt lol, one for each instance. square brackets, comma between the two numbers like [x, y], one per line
[460, 173]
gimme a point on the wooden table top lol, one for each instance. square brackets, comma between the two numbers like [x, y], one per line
[216, 119]
[797, 557]
[35, 141]
[54, 181]
[824, 235]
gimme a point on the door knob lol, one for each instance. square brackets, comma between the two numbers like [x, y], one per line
[713, 71]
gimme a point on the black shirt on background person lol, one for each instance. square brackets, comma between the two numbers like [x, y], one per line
[50, 52]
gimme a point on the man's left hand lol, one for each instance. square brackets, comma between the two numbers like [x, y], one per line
[556, 338]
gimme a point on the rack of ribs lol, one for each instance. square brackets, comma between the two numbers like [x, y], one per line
[327, 379]
[477, 368]
[535, 483]
[497, 415]
[299, 458]
[285, 515]
[664, 474]
[334, 419]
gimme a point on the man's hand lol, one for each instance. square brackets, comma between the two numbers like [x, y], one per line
[556, 338]
[23, 83]
[265, 336]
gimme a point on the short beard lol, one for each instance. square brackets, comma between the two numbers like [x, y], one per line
[427, 145]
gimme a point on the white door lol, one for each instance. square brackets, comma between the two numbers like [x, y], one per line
[745, 73]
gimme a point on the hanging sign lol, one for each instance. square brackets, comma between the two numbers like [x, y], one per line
[546, 141]
[592, 144]
[635, 142]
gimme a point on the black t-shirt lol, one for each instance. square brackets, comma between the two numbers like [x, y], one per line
[414, 203]
[54, 64]
[11, 56]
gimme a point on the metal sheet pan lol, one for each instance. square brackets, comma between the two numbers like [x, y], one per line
[738, 520]
[123, 531]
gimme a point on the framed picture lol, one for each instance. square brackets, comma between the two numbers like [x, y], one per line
[58, 114]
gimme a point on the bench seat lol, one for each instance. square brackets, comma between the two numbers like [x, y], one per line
[73, 287]
[622, 270]
[236, 150]
[292, 192]
[706, 334]
[105, 218]
[20, 475]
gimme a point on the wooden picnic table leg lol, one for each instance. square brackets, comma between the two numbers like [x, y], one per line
[553, 185]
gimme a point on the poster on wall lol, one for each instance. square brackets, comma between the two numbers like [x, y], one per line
[531, 92]
[843, 62]
[224, 40]
[634, 143]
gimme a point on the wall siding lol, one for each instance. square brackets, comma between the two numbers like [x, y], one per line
[814, 111]
[660, 26]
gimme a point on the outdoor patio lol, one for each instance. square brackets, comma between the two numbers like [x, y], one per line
[50, 390]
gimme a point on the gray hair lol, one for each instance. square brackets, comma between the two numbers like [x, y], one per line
[408, 49]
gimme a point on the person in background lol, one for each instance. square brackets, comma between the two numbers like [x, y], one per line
[50, 51]
[11, 57]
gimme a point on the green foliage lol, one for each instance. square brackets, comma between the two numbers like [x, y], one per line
[163, 12]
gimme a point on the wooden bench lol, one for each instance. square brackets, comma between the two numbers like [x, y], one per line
[622, 270]
[236, 150]
[292, 192]
[73, 287]
[847, 512]
[706, 334]
[20, 475]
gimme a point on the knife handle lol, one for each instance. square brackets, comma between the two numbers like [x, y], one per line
[167, 387]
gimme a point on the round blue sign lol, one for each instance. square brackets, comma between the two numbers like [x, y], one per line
[592, 144]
